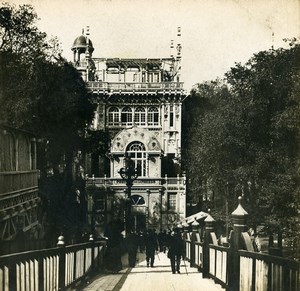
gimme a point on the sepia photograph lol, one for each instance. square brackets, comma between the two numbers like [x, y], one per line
[150, 145]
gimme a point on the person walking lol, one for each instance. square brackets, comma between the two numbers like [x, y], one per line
[151, 247]
[176, 250]
[132, 246]
[114, 247]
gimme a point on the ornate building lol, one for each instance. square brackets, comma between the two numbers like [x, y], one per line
[139, 104]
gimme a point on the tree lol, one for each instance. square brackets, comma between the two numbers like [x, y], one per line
[247, 139]
[43, 93]
[19, 34]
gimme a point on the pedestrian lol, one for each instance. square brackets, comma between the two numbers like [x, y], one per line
[114, 246]
[151, 247]
[165, 241]
[141, 241]
[132, 246]
[176, 250]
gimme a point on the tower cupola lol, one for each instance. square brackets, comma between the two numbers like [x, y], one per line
[82, 50]
[82, 45]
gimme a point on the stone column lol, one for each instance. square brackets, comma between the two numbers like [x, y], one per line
[208, 229]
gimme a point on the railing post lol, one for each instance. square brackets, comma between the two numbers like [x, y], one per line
[40, 273]
[195, 229]
[12, 277]
[208, 229]
[185, 226]
[239, 219]
[62, 263]
[91, 240]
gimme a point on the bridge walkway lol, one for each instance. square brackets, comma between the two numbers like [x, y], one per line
[146, 278]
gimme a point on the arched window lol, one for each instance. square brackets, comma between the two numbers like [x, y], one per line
[113, 116]
[126, 116]
[137, 200]
[140, 116]
[137, 152]
[153, 116]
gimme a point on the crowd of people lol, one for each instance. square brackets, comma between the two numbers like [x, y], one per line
[148, 242]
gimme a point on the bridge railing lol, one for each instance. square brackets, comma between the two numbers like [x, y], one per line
[198, 254]
[50, 269]
[265, 272]
[218, 259]
[188, 246]
[235, 265]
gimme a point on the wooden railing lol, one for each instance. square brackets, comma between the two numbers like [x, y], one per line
[20, 180]
[257, 271]
[198, 254]
[188, 247]
[50, 269]
[264, 272]
[218, 259]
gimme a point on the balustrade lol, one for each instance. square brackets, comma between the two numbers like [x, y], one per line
[264, 272]
[50, 269]
[176, 183]
[138, 87]
[252, 270]
[218, 258]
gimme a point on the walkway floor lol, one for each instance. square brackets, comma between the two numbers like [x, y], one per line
[152, 279]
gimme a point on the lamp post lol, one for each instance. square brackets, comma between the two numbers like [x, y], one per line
[129, 173]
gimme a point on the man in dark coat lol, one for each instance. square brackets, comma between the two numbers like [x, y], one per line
[114, 247]
[176, 250]
[151, 247]
[132, 246]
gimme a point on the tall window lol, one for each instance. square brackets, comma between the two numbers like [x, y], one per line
[140, 116]
[171, 116]
[137, 152]
[153, 115]
[172, 201]
[113, 116]
[126, 116]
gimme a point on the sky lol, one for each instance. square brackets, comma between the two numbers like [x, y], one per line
[215, 34]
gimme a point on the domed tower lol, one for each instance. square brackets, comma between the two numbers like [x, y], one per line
[82, 49]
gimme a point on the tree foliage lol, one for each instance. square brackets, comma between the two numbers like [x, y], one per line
[20, 35]
[246, 133]
[40, 91]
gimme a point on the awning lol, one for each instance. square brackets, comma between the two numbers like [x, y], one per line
[198, 216]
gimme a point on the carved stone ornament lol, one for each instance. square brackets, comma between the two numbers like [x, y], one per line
[126, 136]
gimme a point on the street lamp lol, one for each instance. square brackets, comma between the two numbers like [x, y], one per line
[129, 173]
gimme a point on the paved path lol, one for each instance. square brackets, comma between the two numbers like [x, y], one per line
[158, 278]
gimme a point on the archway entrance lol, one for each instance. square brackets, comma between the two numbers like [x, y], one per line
[138, 212]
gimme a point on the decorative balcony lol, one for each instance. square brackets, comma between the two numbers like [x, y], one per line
[136, 88]
[173, 183]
